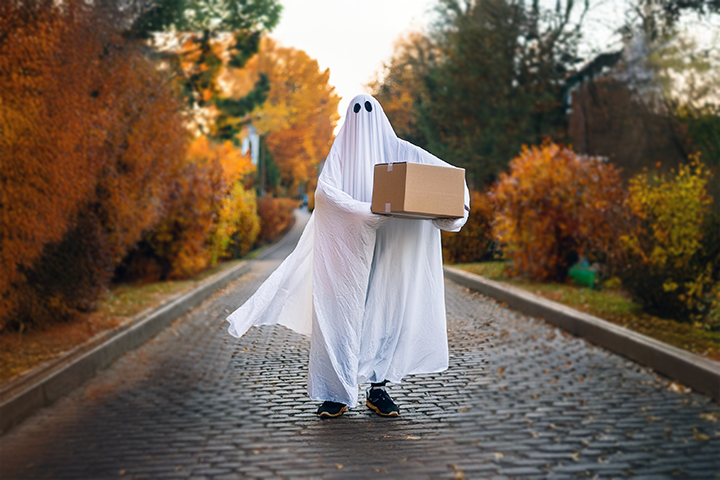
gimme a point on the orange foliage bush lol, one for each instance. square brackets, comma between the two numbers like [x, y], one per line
[90, 131]
[45, 78]
[553, 206]
[197, 228]
[179, 242]
[475, 242]
[276, 217]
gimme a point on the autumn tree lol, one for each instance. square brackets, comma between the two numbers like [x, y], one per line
[300, 114]
[45, 77]
[89, 130]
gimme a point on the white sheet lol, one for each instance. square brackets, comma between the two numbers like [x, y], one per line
[368, 289]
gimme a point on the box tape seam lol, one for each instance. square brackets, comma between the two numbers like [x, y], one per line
[387, 208]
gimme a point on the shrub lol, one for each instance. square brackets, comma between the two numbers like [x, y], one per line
[475, 242]
[276, 217]
[238, 225]
[668, 254]
[208, 210]
[180, 241]
[90, 129]
[553, 207]
[177, 247]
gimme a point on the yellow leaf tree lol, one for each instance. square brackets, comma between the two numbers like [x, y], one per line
[300, 114]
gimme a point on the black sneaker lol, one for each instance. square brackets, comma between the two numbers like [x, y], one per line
[331, 409]
[379, 400]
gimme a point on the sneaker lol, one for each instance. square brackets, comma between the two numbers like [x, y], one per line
[379, 400]
[331, 409]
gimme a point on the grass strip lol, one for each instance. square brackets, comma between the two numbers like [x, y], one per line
[613, 305]
[22, 352]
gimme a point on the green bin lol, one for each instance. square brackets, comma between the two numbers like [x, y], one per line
[583, 275]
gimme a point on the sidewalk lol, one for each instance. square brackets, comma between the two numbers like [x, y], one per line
[42, 386]
[521, 400]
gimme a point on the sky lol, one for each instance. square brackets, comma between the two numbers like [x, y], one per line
[349, 36]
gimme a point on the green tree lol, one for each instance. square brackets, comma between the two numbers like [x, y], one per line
[214, 36]
[206, 15]
[498, 82]
[400, 85]
[659, 18]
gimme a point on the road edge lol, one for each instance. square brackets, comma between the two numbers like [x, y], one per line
[687, 368]
[76, 367]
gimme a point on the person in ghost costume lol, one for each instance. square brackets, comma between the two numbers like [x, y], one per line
[367, 288]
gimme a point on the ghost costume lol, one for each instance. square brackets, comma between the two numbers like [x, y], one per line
[367, 288]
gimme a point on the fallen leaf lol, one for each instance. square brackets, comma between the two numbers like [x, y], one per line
[339, 466]
[677, 388]
[459, 475]
[498, 455]
[710, 417]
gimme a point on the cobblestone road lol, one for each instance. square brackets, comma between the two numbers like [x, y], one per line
[521, 399]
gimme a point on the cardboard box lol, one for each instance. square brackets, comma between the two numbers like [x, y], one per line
[416, 190]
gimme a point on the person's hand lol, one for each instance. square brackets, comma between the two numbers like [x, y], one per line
[445, 223]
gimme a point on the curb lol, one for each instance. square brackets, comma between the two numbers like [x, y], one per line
[698, 373]
[41, 388]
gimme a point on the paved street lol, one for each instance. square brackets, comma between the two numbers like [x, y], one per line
[521, 399]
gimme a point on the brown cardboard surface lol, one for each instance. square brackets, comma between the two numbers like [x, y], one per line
[416, 190]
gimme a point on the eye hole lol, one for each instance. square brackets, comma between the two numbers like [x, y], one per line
[356, 108]
[368, 106]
